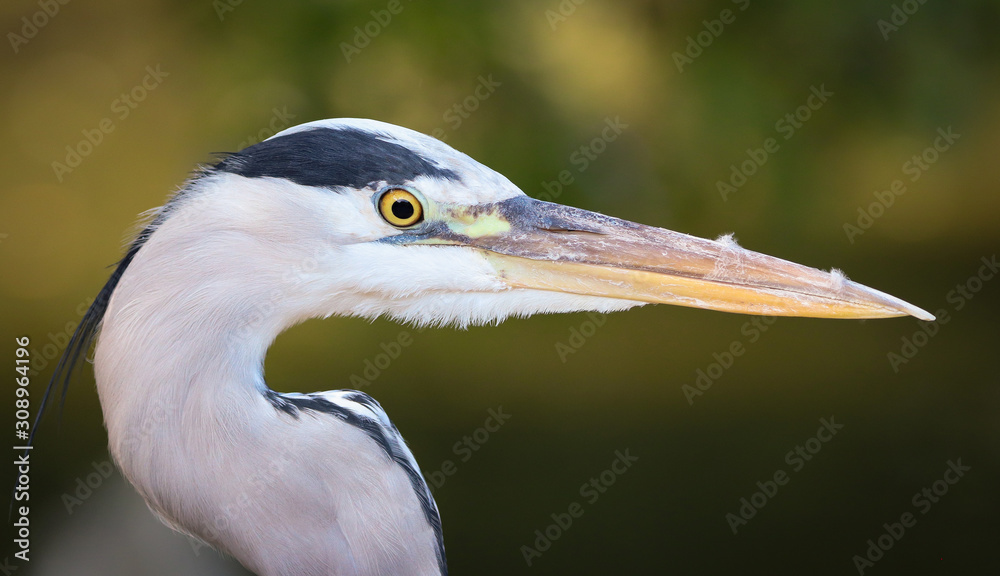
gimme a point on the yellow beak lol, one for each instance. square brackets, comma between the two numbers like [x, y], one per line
[543, 246]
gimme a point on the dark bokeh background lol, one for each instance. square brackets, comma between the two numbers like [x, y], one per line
[235, 74]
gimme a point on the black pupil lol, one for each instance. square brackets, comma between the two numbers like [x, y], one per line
[402, 209]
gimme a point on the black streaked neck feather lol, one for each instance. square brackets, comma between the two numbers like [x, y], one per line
[387, 438]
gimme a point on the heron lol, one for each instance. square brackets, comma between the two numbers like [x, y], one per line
[356, 217]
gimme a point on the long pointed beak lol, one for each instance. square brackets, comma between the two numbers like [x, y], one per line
[543, 246]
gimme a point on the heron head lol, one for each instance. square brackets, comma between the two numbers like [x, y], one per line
[373, 219]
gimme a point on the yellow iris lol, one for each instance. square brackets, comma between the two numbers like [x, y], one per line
[400, 208]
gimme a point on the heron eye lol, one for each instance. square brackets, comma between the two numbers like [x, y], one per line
[400, 208]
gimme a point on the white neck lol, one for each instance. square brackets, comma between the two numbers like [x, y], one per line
[179, 373]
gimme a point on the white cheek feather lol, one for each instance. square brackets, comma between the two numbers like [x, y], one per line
[471, 309]
[440, 286]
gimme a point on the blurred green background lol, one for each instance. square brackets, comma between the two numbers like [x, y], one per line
[231, 72]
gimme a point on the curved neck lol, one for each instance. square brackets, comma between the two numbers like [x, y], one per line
[180, 354]
[179, 369]
[192, 316]
[179, 350]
